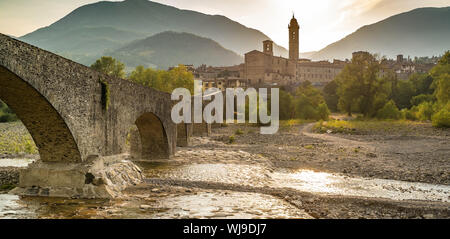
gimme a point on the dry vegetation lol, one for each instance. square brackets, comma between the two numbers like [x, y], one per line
[15, 139]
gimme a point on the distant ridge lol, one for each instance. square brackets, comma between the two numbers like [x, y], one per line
[171, 48]
[88, 31]
[420, 32]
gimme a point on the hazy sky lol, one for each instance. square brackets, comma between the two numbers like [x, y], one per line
[321, 21]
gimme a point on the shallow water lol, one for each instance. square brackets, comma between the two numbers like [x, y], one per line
[15, 162]
[217, 204]
[242, 174]
[200, 203]
[335, 184]
[302, 180]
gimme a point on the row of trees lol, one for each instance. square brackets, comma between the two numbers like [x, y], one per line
[161, 80]
[306, 102]
[360, 88]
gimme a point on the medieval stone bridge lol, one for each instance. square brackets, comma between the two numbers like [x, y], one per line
[72, 111]
[75, 113]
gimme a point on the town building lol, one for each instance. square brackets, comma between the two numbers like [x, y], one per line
[264, 69]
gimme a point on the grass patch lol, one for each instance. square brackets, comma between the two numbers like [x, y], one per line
[361, 126]
[238, 132]
[288, 124]
[7, 187]
[231, 139]
[15, 139]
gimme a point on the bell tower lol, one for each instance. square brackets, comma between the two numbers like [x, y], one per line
[293, 39]
[268, 47]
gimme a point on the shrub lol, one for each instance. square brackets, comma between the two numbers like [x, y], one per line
[419, 99]
[323, 112]
[442, 117]
[408, 114]
[5, 117]
[425, 111]
[231, 139]
[389, 111]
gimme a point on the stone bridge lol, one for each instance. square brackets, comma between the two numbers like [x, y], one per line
[77, 115]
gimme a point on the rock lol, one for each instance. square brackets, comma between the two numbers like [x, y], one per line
[145, 207]
[155, 190]
[428, 216]
[222, 215]
[309, 200]
[371, 155]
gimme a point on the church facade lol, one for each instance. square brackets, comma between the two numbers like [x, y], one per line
[265, 69]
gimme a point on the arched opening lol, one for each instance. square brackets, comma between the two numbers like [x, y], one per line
[48, 129]
[153, 138]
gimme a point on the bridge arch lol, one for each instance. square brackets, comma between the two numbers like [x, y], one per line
[154, 143]
[48, 129]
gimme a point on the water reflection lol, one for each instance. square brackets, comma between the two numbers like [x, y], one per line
[320, 182]
[242, 174]
[15, 162]
[203, 204]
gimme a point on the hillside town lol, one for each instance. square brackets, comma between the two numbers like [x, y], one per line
[264, 69]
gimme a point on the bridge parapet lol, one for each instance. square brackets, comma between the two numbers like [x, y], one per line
[75, 113]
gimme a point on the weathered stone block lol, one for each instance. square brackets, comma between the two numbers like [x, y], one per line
[99, 178]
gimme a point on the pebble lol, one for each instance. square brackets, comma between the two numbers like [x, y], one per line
[144, 206]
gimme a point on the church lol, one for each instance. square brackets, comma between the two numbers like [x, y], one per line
[263, 68]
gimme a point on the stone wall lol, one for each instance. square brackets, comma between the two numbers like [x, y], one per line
[9, 176]
[72, 111]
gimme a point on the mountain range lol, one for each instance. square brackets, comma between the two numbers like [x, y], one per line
[143, 32]
[88, 31]
[420, 32]
[165, 49]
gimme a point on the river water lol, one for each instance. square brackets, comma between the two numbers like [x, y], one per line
[218, 203]
[20, 163]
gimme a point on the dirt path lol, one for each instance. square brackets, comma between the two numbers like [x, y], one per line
[307, 131]
[413, 158]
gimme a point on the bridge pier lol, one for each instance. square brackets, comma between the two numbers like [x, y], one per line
[73, 112]
[103, 177]
[202, 129]
[184, 133]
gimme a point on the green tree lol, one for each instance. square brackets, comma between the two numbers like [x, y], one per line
[109, 66]
[422, 83]
[418, 99]
[309, 103]
[389, 111]
[360, 86]
[286, 105]
[442, 117]
[330, 95]
[402, 93]
[6, 114]
[441, 84]
[167, 81]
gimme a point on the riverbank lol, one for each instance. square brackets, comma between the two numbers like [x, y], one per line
[421, 156]
[296, 173]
